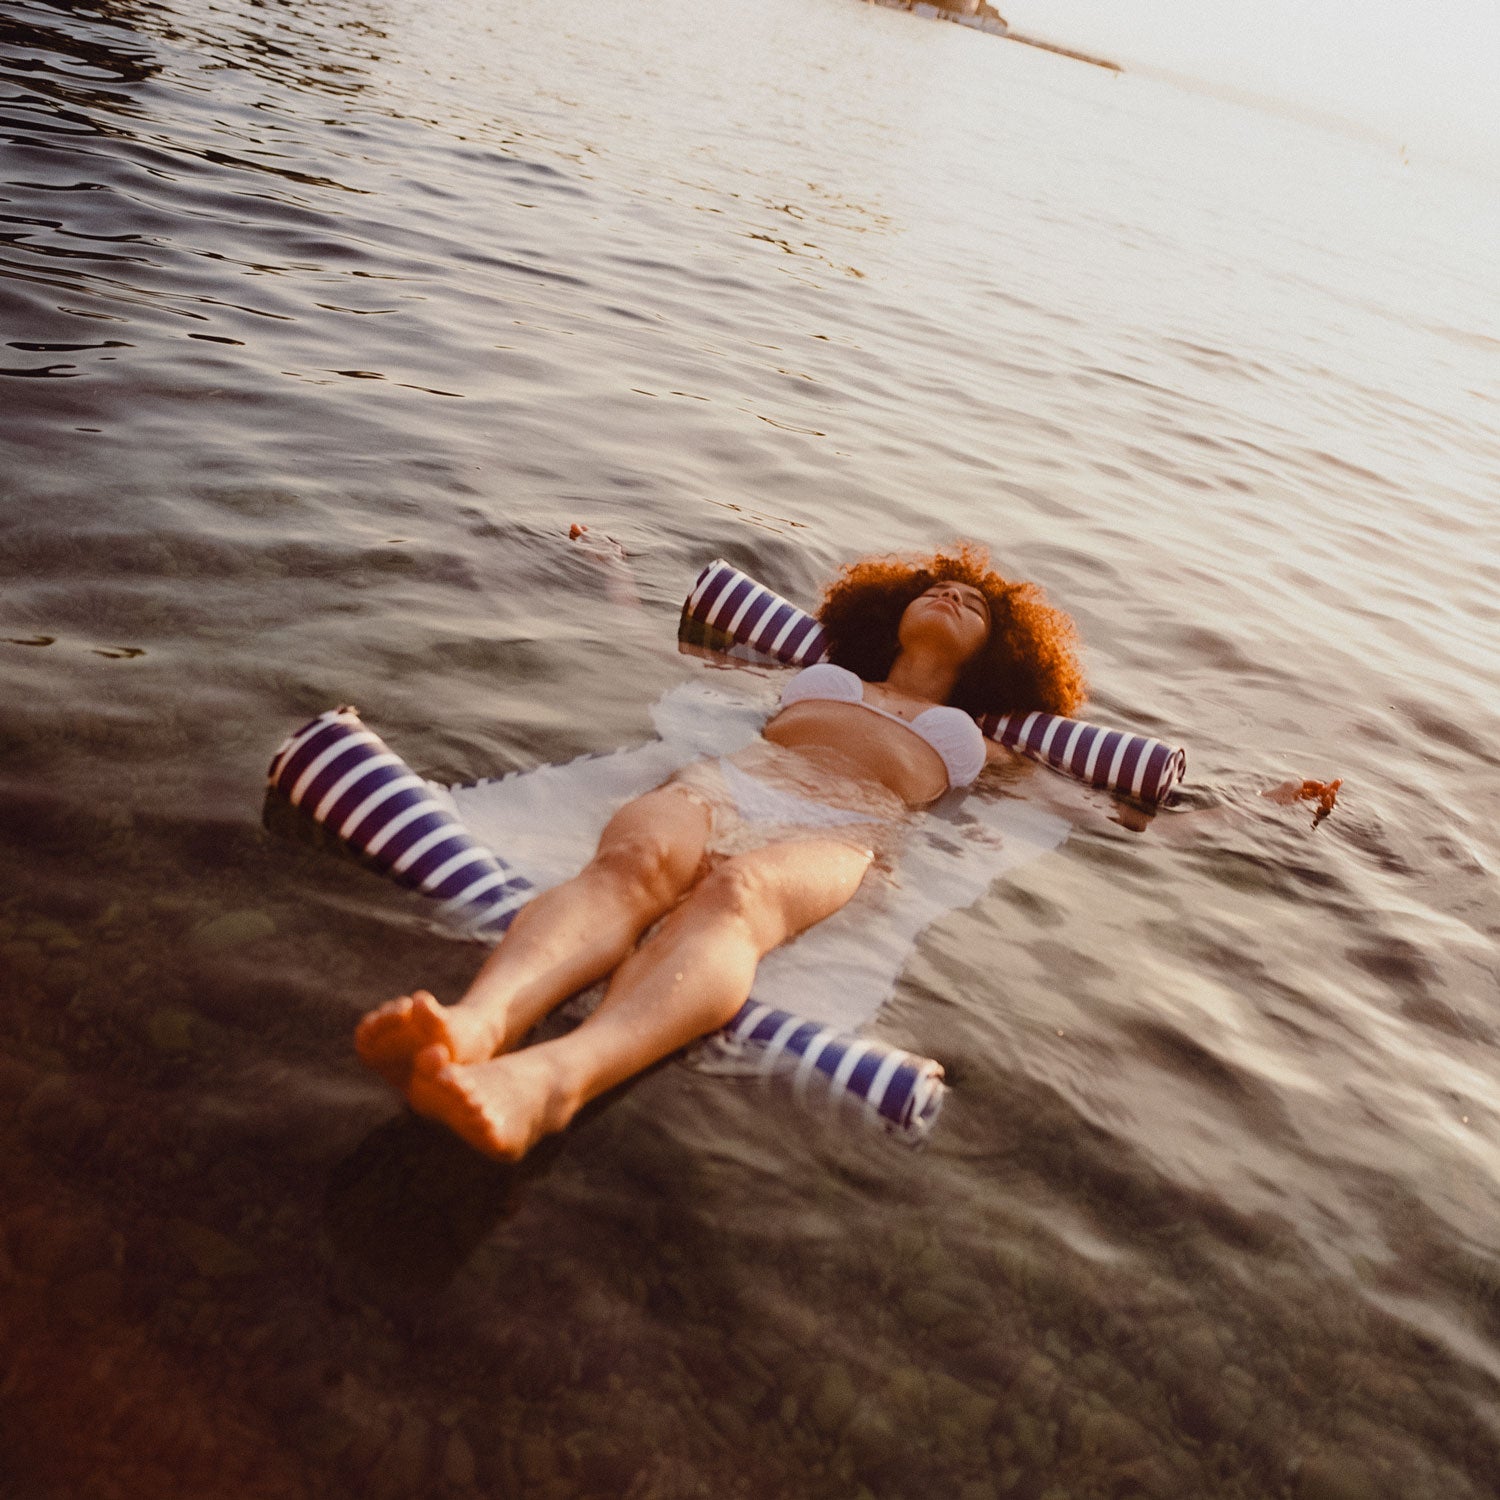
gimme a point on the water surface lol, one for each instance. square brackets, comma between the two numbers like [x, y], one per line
[320, 324]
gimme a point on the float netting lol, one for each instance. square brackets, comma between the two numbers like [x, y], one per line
[351, 783]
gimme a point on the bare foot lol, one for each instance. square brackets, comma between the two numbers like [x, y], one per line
[502, 1107]
[391, 1036]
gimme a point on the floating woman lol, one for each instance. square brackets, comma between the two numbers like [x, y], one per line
[736, 855]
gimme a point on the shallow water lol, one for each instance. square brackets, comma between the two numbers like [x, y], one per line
[320, 325]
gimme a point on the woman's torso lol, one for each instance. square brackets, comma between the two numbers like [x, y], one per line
[836, 744]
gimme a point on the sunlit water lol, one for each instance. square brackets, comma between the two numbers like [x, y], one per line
[320, 324]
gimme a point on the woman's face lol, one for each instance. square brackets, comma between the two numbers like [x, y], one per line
[953, 615]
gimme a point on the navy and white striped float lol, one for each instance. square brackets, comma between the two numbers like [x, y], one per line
[1132, 764]
[728, 605]
[351, 783]
[888, 1086]
[727, 600]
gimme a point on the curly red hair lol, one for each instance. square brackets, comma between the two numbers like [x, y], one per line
[1029, 661]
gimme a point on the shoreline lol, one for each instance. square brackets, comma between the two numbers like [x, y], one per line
[1083, 57]
[993, 25]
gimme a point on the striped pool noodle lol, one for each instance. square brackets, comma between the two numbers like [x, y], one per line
[694, 638]
[892, 1088]
[1133, 765]
[726, 599]
[348, 781]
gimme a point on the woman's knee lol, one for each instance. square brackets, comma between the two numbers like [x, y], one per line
[646, 865]
[741, 892]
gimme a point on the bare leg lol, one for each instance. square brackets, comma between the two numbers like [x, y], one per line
[688, 979]
[560, 943]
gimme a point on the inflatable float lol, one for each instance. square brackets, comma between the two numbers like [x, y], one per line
[443, 842]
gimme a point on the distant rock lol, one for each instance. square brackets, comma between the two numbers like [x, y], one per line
[972, 13]
[979, 16]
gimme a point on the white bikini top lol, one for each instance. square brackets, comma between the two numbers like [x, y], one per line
[950, 731]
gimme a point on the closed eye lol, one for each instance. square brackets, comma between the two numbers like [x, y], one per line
[971, 599]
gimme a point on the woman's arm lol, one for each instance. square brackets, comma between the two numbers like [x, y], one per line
[612, 561]
[1138, 817]
[996, 754]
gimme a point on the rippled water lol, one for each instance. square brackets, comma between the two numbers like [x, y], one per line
[320, 324]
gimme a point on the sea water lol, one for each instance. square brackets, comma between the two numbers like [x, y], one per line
[319, 326]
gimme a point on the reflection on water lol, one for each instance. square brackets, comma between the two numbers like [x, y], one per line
[320, 325]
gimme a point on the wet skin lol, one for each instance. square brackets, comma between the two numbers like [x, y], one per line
[873, 748]
[455, 1063]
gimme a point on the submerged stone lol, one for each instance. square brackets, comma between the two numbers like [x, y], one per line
[232, 929]
[1328, 1476]
[728, 1421]
[52, 935]
[873, 1438]
[61, 1118]
[170, 1029]
[1035, 1442]
[906, 1391]
[929, 1309]
[535, 1458]
[959, 1405]
[833, 1400]
[1111, 1434]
